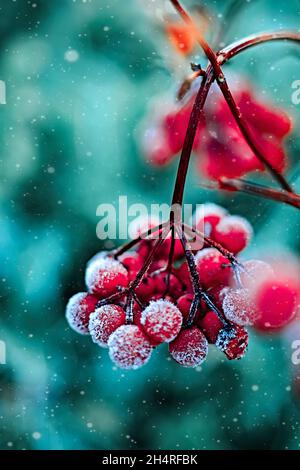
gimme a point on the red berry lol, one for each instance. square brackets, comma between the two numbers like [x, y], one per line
[129, 348]
[140, 225]
[104, 321]
[213, 267]
[233, 232]
[211, 325]
[155, 147]
[239, 308]
[78, 311]
[145, 289]
[233, 341]
[164, 250]
[161, 321]
[184, 304]
[132, 262]
[99, 255]
[190, 347]
[207, 216]
[276, 301]
[175, 286]
[183, 274]
[105, 275]
[217, 294]
[256, 271]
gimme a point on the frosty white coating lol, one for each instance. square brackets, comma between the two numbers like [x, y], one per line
[239, 308]
[162, 320]
[101, 271]
[129, 348]
[104, 321]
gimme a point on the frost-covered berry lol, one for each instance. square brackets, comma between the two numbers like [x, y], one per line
[190, 347]
[78, 311]
[161, 320]
[132, 262]
[207, 216]
[213, 267]
[256, 271]
[105, 275]
[141, 224]
[276, 301]
[175, 286]
[233, 341]
[211, 325]
[183, 274]
[145, 289]
[239, 308]
[104, 321]
[233, 232]
[96, 257]
[129, 348]
[184, 304]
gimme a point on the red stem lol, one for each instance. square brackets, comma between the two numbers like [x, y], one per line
[259, 190]
[239, 46]
[190, 136]
[221, 80]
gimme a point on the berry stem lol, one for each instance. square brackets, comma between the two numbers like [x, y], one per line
[255, 39]
[199, 292]
[222, 83]
[128, 245]
[259, 190]
[199, 102]
[211, 243]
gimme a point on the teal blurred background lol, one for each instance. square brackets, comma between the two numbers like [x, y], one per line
[79, 78]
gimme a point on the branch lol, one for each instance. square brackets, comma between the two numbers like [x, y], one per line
[259, 190]
[255, 39]
[221, 80]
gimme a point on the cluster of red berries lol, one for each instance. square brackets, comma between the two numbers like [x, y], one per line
[222, 151]
[130, 314]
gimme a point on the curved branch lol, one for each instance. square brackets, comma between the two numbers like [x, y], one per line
[255, 39]
[221, 80]
[259, 190]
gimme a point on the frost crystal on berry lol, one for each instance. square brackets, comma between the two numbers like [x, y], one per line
[233, 341]
[239, 308]
[233, 232]
[161, 320]
[129, 348]
[213, 267]
[105, 275]
[190, 347]
[104, 321]
[78, 311]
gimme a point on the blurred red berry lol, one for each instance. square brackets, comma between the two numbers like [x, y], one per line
[207, 216]
[233, 233]
[276, 301]
[239, 308]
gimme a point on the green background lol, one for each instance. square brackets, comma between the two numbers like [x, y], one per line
[69, 141]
